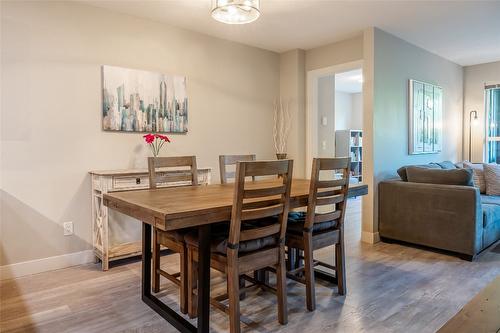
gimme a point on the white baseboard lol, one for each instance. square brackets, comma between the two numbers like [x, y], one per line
[370, 237]
[45, 264]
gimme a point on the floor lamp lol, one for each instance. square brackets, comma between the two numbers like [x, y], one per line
[470, 131]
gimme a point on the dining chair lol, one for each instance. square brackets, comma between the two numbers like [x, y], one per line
[256, 237]
[227, 169]
[173, 240]
[231, 160]
[312, 230]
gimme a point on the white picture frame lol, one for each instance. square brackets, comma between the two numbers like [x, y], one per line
[425, 114]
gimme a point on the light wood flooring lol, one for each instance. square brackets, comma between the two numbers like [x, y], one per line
[390, 288]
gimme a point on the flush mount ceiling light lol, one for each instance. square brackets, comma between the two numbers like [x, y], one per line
[235, 11]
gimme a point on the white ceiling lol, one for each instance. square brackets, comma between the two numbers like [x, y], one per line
[466, 32]
[349, 82]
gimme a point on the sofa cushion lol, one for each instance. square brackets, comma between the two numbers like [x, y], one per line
[440, 176]
[491, 233]
[446, 165]
[478, 175]
[492, 178]
[296, 222]
[491, 214]
[490, 199]
[402, 171]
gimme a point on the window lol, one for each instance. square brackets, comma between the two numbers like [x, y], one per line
[492, 104]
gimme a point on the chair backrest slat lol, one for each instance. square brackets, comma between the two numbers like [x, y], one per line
[266, 168]
[331, 193]
[331, 183]
[318, 218]
[336, 163]
[230, 160]
[259, 213]
[329, 200]
[265, 192]
[328, 193]
[188, 162]
[260, 232]
[270, 201]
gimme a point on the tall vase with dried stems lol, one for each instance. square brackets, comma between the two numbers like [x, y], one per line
[281, 127]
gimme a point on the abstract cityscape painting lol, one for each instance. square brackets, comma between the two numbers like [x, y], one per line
[141, 101]
[425, 104]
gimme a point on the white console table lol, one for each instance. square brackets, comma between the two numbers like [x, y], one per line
[126, 180]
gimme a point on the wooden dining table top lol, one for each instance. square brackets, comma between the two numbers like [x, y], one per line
[175, 208]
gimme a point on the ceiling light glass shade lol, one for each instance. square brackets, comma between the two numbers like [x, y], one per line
[235, 11]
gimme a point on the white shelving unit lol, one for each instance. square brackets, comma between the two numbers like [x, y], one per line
[350, 143]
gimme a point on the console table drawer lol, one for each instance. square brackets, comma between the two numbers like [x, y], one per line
[125, 182]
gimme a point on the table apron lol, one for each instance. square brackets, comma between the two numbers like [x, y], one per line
[142, 214]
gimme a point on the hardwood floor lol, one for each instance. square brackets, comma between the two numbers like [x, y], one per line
[391, 288]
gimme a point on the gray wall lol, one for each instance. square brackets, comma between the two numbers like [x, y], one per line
[395, 62]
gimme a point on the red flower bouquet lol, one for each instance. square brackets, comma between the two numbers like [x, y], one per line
[156, 141]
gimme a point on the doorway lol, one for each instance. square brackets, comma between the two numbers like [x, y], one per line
[335, 113]
[335, 125]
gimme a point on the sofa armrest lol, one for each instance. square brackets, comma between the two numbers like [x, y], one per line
[442, 216]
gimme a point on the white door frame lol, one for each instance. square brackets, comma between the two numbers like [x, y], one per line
[312, 106]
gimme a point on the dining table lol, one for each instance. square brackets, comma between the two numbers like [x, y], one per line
[175, 208]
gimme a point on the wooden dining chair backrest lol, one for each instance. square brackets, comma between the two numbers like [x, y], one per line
[230, 160]
[330, 194]
[185, 164]
[254, 201]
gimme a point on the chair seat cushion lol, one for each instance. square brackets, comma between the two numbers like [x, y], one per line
[296, 222]
[219, 238]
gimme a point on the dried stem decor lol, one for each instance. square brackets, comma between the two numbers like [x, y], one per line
[281, 126]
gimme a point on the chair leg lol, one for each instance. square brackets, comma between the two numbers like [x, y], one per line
[309, 272]
[281, 288]
[183, 291]
[233, 287]
[156, 262]
[340, 264]
[192, 277]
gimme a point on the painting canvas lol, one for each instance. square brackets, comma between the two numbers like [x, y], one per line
[141, 101]
[425, 115]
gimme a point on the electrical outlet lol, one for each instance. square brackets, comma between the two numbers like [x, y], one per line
[68, 228]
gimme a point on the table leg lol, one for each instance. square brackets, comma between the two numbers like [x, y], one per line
[176, 320]
[146, 259]
[203, 278]
[292, 259]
